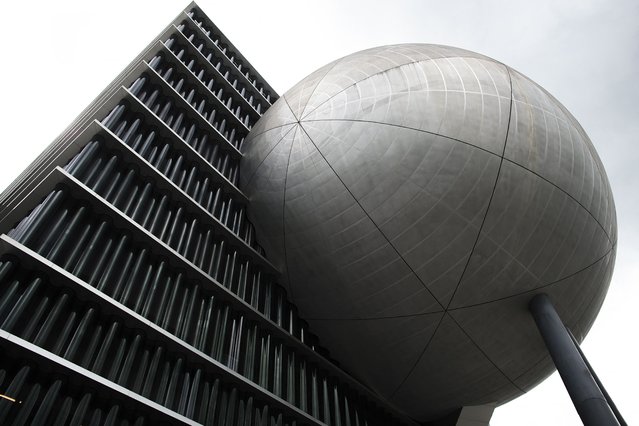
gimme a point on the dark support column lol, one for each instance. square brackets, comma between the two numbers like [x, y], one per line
[582, 388]
[613, 407]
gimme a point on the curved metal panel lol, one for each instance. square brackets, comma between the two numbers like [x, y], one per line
[422, 182]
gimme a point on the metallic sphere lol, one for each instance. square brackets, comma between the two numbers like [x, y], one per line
[416, 197]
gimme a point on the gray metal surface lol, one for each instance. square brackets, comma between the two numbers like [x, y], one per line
[416, 197]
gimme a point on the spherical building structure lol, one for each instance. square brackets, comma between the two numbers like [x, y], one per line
[416, 197]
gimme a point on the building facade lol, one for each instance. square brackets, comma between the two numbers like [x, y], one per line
[132, 288]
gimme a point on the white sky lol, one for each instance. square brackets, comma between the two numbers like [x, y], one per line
[57, 56]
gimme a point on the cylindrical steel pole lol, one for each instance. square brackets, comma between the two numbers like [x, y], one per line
[590, 403]
[613, 407]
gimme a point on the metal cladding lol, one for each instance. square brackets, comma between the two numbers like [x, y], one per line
[416, 197]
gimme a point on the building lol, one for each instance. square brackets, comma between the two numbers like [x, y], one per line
[417, 197]
[132, 288]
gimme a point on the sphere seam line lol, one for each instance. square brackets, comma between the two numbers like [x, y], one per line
[470, 339]
[254, 135]
[565, 192]
[313, 91]
[485, 150]
[288, 162]
[371, 219]
[269, 153]
[418, 314]
[403, 127]
[419, 358]
[481, 227]
[399, 66]
[558, 281]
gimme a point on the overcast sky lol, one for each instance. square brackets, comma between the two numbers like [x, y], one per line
[57, 56]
